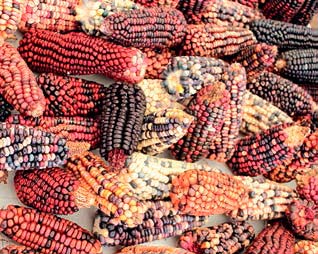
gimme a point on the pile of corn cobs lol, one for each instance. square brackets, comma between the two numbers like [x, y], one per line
[229, 81]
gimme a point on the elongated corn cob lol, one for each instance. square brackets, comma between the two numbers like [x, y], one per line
[306, 12]
[191, 9]
[121, 122]
[228, 237]
[307, 186]
[5, 109]
[306, 247]
[14, 249]
[312, 89]
[45, 232]
[162, 3]
[80, 54]
[147, 27]
[274, 238]
[153, 250]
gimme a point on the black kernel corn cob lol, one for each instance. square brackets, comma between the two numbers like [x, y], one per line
[228, 237]
[159, 3]
[156, 27]
[306, 247]
[5, 109]
[14, 249]
[123, 112]
[306, 12]
[191, 9]
[312, 89]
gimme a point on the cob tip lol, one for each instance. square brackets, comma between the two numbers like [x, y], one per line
[296, 135]
[84, 198]
[188, 242]
[37, 109]
[280, 64]
[3, 176]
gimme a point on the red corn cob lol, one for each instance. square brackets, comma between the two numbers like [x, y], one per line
[14, 249]
[81, 54]
[307, 186]
[154, 3]
[250, 3]
[152, 250]
[306, 247]
[45, 232]
[306, 12]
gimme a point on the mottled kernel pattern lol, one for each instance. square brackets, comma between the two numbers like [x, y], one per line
[306, 247]
[152, 250]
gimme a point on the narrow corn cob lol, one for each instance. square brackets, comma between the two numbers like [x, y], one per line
[18, 85]
[267, 200]
[299, 65]
[215, 41]
[311, 89]
[139, 249]
[229, 237]
[306, 13]
[45, 232]
[14, 249]
[260, 115]
[80, 54]
[306, 247]
[69, 96]
[208, 107]
[307, 185]
[191, 9]
[199, 192]
[274, 238]
[5, 109]
[284, 35]
[49, 15]
[154, 3]
[147, 27]
[162, 129]
[121, 122]
[303, 219]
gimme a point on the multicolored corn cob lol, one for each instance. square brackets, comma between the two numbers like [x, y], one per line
[159, 3]
[49, 15]
[306, 247]
[299, 65]
[156, 27]
[208, 107]
[45, 232]
[229, 237]
[260, 115]
[306, 12]
[191, 9]
[139, 249]
[14, 249]
[312, 89]
[5, 109]
[81, 54]
[121, 121]
[69, 96]
[307, 185]
[274, 238]
[199, 192]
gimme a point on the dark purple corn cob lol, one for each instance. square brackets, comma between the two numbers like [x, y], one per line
[306, 13]
[312, 89]
[191, 9]
[5, 109]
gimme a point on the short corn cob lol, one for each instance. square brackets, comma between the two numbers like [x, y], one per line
[191, 9]
[199, 192]
[69, 96]
[284, 35]
[306, 12]
[14, 249]
[306, 247]
[267, 200]
[260, 115]
[147, 27]
[311, 89]
[121, 121]
[229, 237]
[303, 219]
[215, 41]
[49, 15]
[162, 129]
[80, 54]
[154, 3]
[45, 232]
[18, 85]
[152, 250]
[209, 107]
[282, 93]
[5, 109]
[307, 185]
[274, 238]
[299, 65]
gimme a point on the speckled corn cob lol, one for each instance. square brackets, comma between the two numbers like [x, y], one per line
[208, 107]
[69, 96]
[5, 109]
[260, 115]
[139, 249]
[49, 15]
[154, 27]
[229, 237]
[299, 65]
[153, 3]
[267, 200]
[215, 41]
[198, 192]
[306, 247]
[45, 232]
[191, 9]
[14, 249]
[80, 54]
[312, 89]
[307, 185]
[274, 238]
[121, 122]
[306, 12]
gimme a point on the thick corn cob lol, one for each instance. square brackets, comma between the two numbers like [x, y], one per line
[306, 247]
[208, 107]
[69, 96]
[18, 85]
[274, 238]
[199, 192]
[312, 89]
[45, 232]
[14, 249]
[307, 185]
[306, 12]
[80, 54]
[147, 27]
[5, 109]
[154, 3]
[152, 250]
[229, 237]
[121, 121]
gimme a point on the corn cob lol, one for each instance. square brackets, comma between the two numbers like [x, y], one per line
[311, 89]
[299, 65]
[274, 238]
[5, 109]
[121, 122]
[147, 27]
[80, 54]
[303, 219]
[159, 3]
[306, 12]
[307, 186]
[199, 192]
[14, 249]
[260, 115]
[250, 3]
[306, 247]
[139, 249]
[49, 15]
[229, 237]
[267, 200]
[69, 96]
[208, 107]
[45, 232]
[191, 9]
[215, 41]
